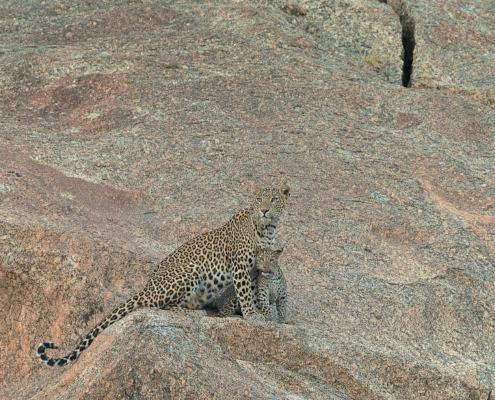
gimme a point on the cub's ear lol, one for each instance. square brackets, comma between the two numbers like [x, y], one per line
[257, 250]
[285, 190]
[256, 190]
[278, 252]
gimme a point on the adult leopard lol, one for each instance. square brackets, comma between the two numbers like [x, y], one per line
[190, 276]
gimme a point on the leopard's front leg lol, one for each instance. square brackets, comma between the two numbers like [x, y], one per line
[242, 284]
[282, 306]
[267, 309]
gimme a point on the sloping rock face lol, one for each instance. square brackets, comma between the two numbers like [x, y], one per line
[455, 46]
[130, 127]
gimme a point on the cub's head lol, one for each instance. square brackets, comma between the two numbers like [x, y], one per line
[270, 203]
[267, 261]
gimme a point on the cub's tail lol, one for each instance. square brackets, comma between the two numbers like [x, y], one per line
[117, 314]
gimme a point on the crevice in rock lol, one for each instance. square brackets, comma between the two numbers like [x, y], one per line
[408, 42]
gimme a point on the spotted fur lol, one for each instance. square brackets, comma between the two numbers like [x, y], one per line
[270, 289]
[191, 276]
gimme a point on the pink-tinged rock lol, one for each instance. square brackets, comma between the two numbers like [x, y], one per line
[127, 129]
[455, 47]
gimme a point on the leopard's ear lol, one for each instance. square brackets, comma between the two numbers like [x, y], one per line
[257, 250]
[285, 190]
[278, 253]
[256, 190]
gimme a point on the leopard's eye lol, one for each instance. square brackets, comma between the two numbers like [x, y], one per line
[274, 199]
[258, 199]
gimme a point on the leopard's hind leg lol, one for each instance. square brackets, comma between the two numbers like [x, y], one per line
[178, 286]
[228, 303]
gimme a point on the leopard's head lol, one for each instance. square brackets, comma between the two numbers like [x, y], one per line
[270, 203]
[267, 260]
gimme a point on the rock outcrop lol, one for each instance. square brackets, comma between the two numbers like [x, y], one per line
[127, 128]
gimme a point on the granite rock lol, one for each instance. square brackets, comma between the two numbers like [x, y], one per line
[455, 47]
[130, 127]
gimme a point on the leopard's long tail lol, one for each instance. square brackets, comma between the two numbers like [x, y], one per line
[117, 314]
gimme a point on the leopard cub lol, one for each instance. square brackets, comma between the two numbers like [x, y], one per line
[269, 288]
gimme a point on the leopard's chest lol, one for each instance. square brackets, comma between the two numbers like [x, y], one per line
[272, 286]
[265, 238]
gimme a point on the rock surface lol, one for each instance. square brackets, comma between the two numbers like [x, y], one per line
[455, 47]
[129, 127]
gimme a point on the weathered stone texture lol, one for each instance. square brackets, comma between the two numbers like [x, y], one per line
[127, 128]
[455, 47]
